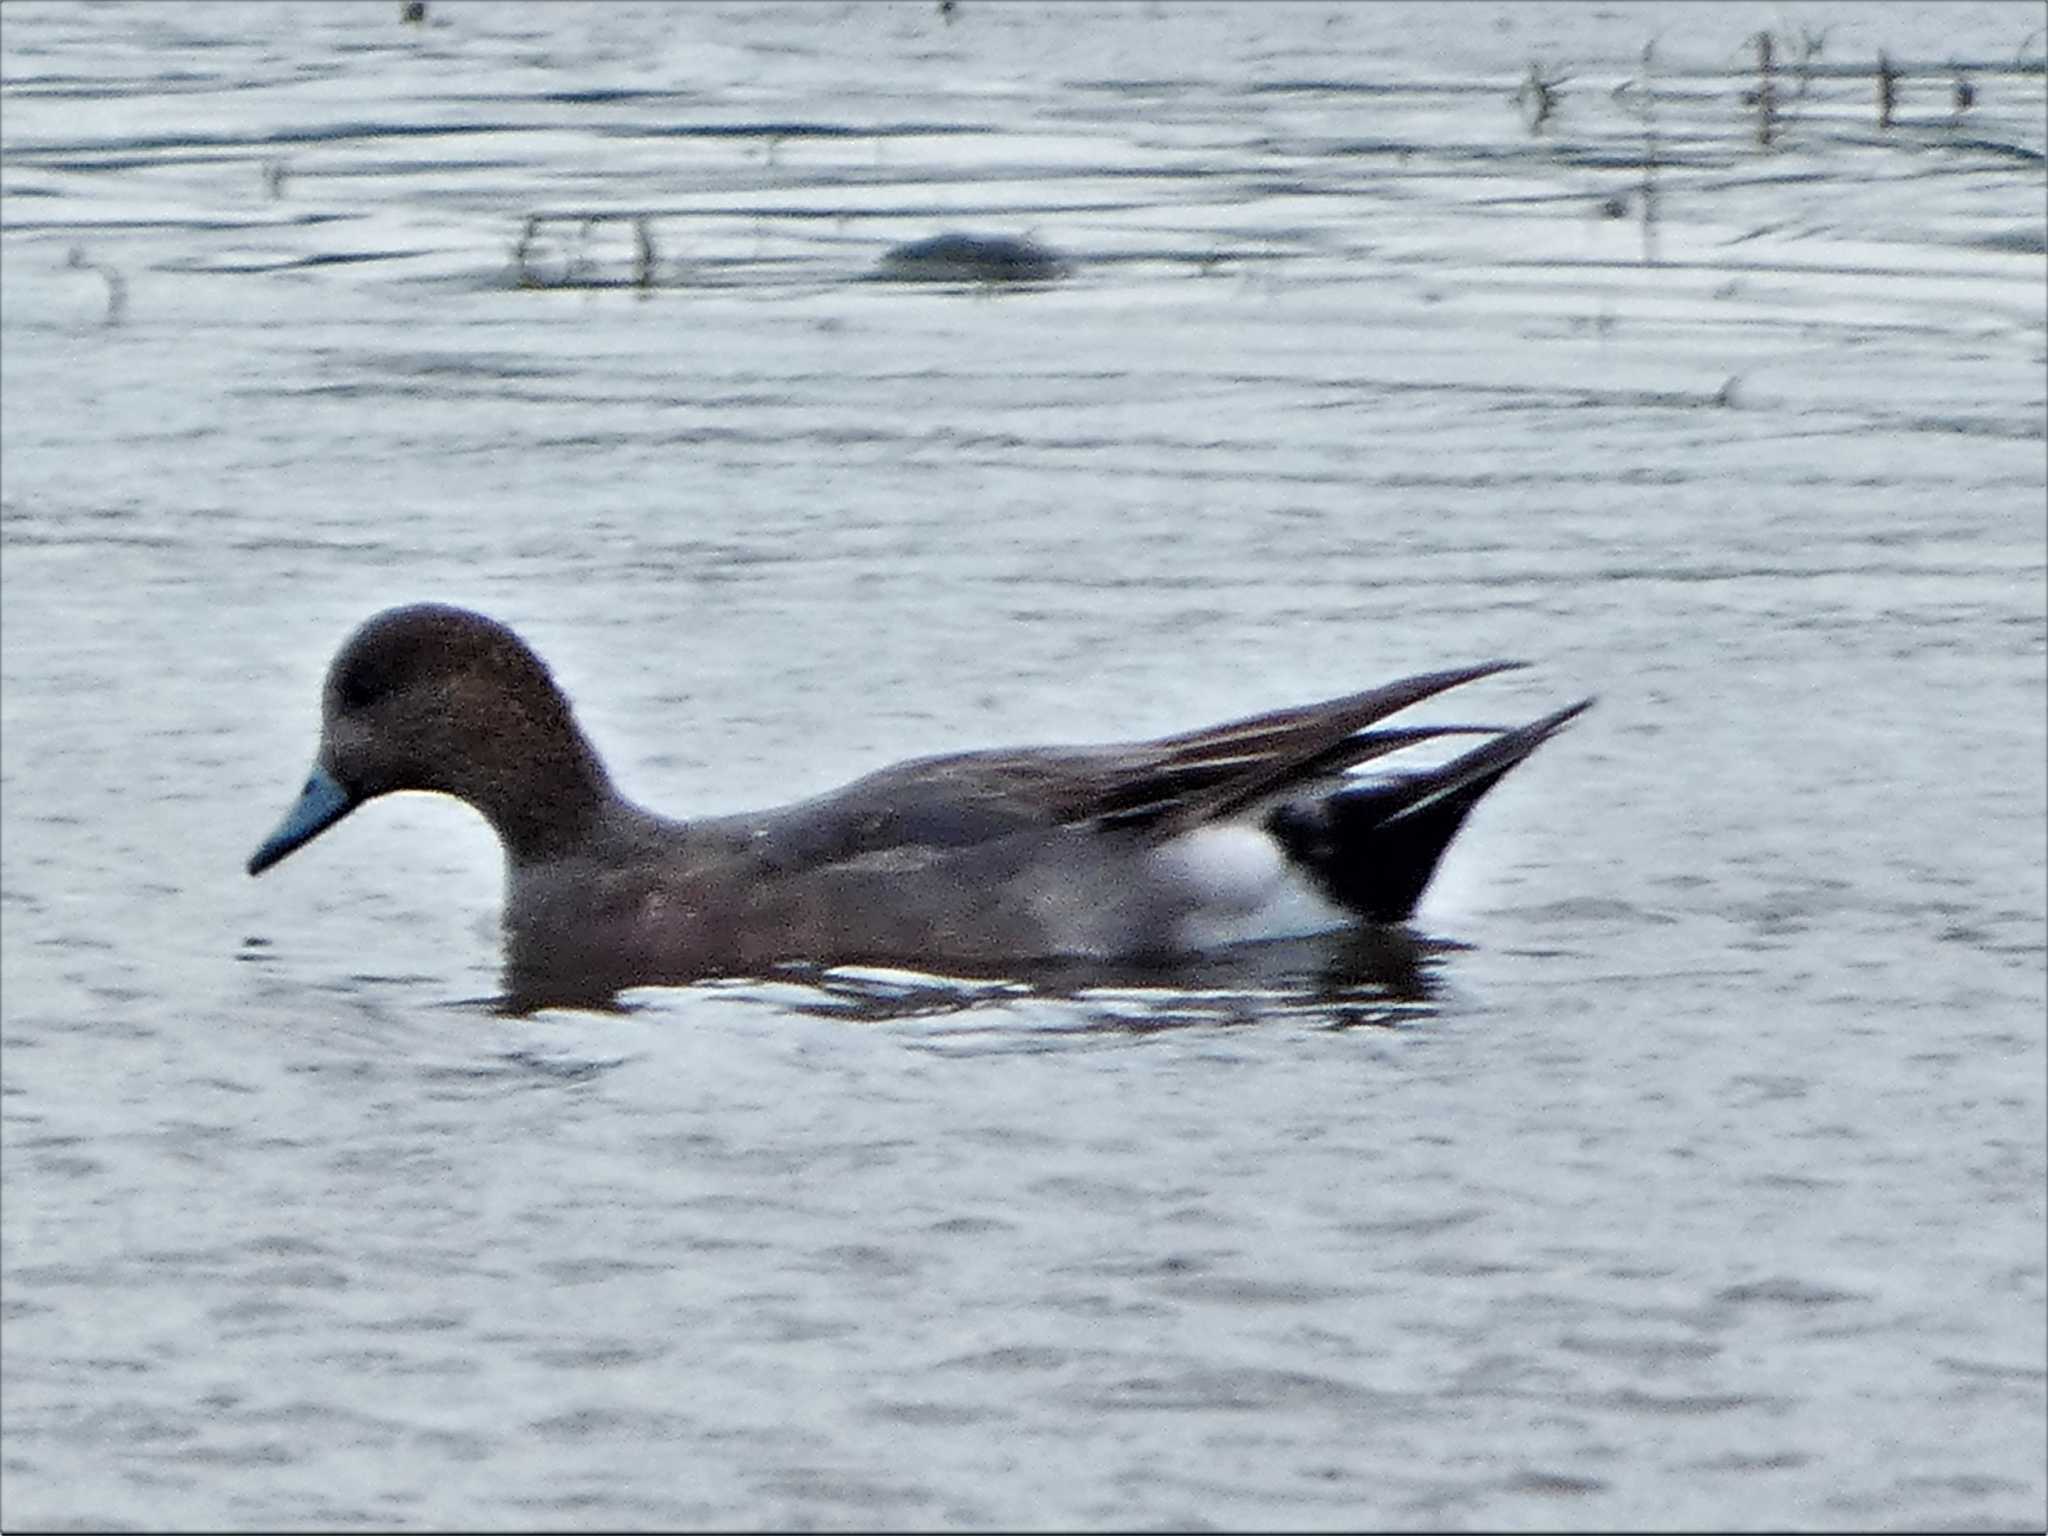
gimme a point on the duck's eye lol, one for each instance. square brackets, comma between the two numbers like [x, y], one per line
[358, 688]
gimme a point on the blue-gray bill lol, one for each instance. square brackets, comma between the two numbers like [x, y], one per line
[320, 805]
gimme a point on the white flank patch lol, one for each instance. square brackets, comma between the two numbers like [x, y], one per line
[1241, 887]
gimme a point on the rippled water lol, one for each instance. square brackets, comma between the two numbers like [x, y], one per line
[1686, 1167]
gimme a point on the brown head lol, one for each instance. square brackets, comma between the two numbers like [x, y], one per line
[436, 698]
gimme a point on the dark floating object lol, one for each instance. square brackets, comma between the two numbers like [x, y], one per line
[1765, 97]
[1887, 90]
[1811, 45]
[644, 257]
[414, 13]
[117, 285]
[957, 258]
[577, 269]
[1538, 95]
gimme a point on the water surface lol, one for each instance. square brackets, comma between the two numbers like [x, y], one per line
[1685, 1169]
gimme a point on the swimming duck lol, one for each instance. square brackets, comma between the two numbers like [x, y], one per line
[1141, 850]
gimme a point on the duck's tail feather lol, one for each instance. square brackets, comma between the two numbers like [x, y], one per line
[1373, 849]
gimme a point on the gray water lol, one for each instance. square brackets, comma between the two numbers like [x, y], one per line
[1692, 1174]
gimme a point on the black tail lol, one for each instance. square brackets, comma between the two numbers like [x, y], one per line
[1372, 849]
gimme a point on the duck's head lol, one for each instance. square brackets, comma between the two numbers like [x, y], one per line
[431, 697]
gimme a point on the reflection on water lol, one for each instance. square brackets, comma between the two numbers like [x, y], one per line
[1379, 976]
[1382, 976]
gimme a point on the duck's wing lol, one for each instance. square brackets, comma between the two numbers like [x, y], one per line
[1159, 787]
[1210, 774]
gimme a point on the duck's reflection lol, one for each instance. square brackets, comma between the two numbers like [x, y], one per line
[1369, 976]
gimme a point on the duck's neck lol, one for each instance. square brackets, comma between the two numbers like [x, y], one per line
[539, 782]
[559, 810]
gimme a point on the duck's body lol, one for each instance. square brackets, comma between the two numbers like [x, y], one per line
[1149, 849]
